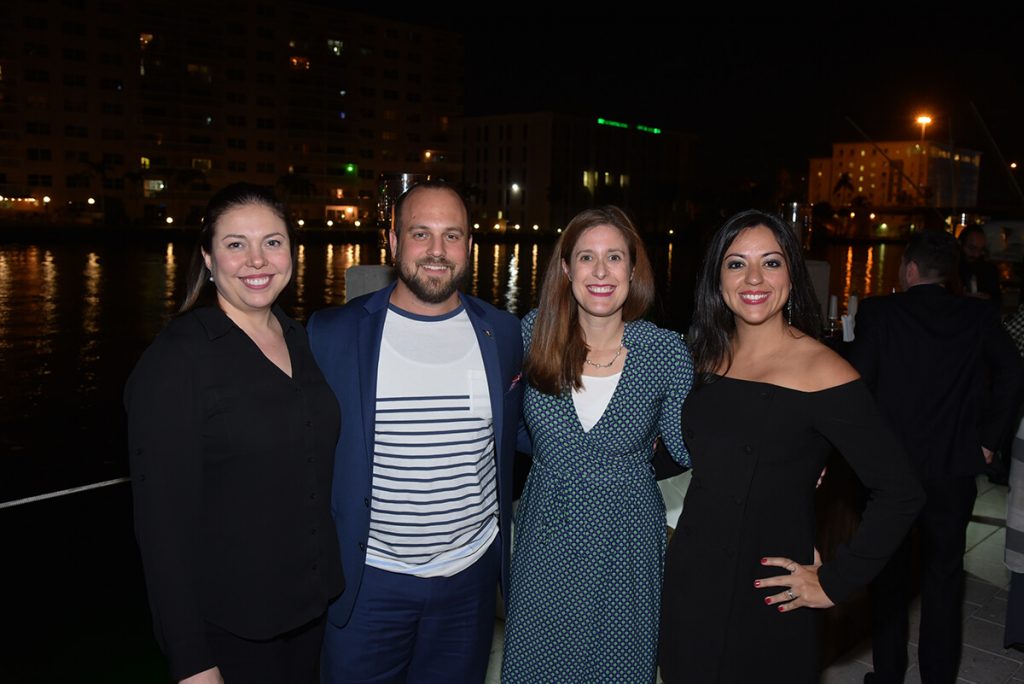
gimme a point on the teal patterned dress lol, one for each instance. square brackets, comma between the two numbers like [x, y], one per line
[589, 546]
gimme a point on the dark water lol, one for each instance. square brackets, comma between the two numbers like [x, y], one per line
[74, 319]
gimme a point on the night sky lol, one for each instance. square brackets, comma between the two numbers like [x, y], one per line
[761, 95]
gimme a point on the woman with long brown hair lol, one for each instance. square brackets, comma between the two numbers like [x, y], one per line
[590, 530]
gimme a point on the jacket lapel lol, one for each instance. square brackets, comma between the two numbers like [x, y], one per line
[492, 366]
[371, 332]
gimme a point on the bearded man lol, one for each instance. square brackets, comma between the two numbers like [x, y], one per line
[428, 382]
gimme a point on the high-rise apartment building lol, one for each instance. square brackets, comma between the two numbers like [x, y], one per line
[138, 110]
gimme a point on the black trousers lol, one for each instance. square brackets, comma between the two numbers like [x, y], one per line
[290, 657]
[942, 527]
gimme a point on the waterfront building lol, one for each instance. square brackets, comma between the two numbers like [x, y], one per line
[903, 173]
[884, 189]
[134, 112]
[537, 170]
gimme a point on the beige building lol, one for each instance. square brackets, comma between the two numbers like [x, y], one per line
[139, 110]
[904, 173]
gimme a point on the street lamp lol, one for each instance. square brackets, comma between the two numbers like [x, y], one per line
[923, 121]
[513, 190]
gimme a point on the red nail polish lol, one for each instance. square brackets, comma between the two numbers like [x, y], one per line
[763, 561]
[757, 583]
[768, 600]
[782, 609]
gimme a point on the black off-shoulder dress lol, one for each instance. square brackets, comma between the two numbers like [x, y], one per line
[757, 450]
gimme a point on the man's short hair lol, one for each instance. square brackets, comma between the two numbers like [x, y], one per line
[935, 252]
[438, 184]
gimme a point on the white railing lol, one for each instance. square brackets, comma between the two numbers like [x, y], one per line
[62, 492]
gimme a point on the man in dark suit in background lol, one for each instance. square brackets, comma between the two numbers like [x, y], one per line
[946, 378]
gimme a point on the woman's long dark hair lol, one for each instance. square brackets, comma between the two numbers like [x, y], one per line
[557, 349]
[231, 197]
[713, 323]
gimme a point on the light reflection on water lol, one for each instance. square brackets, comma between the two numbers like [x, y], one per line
[474, 283]
[844, 298]
[49, 304]
[299, 280]
[512, 291]
[496, 271]
[533, 279]
[856, 270]
[6, 285]
[170, 279]
[74, 319]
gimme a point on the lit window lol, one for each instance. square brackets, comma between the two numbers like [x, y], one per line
[862, 153]
[145, 39]
[624, 180]
[143, 162]
[335, 46]
[607, 177]
[202, 164]
[300, 63]
[152, 188]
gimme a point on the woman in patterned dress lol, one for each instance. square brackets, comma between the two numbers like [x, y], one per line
[586, 573]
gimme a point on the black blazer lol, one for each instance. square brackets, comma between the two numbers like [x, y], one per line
[231, 464]
[944, 372]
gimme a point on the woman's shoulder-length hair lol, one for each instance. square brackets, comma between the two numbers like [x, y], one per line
[557, 349]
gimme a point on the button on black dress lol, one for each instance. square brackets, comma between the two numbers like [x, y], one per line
[757, 450]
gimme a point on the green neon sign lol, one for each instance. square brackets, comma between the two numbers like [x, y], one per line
[619, 124]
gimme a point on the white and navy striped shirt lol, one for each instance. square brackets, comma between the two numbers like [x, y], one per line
[435, 501]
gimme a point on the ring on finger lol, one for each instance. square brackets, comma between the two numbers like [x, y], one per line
[790, 594]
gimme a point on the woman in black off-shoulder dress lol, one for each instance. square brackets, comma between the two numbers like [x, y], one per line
[742, 577]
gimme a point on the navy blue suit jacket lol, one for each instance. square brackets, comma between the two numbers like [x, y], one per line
[346, 343]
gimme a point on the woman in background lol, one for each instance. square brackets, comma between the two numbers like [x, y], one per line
[232, 430]
[590, 528]
[770, 404]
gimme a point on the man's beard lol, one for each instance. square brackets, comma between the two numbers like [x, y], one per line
[431, 290]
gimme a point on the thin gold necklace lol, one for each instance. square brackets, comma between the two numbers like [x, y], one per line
[614, 358]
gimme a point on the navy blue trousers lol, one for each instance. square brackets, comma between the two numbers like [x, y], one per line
[414, 629]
